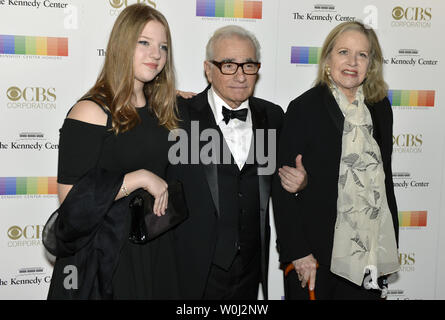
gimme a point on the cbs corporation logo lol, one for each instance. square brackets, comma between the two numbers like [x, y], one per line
[117, 5]
[407, 262]
[13, 93]
[30, 235]
[398, 13]
[412, 13]
[14, 233]
[407, 143]
[31, 98]
[412, 17]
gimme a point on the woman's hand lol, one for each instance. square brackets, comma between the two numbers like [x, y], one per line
[158, 188]
[293, 179]
[153, 184]
[306, 269]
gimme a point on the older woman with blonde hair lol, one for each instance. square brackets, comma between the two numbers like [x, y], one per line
[113, 142]
[339, 235]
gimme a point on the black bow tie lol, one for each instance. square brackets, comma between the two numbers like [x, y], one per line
[232, 114]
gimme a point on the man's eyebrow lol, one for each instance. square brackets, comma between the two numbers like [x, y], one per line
[233, 60]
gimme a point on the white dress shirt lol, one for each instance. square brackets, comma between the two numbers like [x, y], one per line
[237, 133]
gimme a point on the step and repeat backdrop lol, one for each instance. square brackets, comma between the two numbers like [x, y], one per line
[52, 50]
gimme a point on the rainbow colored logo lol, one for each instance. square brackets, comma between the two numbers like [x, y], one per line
[412, 218]
[229, 9]
[412, 98]
[30, 45]
[305, 55]
[28, 185]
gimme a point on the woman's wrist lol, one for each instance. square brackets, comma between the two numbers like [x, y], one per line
[131, 182]
[124, 190]
[136, 179]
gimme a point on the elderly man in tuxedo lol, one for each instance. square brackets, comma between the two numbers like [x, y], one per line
[226, 170]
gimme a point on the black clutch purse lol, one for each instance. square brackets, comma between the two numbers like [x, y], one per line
[145, 225]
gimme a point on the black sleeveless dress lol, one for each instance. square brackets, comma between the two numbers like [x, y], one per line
[143, 271]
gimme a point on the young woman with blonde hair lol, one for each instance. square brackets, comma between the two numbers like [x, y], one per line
[113, 142]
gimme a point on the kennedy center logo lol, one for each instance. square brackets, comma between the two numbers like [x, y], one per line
[321, 13]
[412, 98]
[31, 45]
[229, 9]
[28, 186]
[413, 218]
[305, 55]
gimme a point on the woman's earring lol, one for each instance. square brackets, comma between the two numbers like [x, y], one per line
[328, 71]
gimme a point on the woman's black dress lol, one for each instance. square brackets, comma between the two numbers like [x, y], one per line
[142, 271]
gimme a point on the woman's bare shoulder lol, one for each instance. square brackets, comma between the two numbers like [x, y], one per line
[88, 111]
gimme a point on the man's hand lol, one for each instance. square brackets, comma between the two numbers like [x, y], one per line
[185, 94]
[293, 179]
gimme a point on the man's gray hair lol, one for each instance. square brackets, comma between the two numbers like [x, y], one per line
[228, 32]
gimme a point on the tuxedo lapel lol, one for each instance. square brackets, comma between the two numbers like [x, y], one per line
[259, 121]
[201, 112]
[259, 117]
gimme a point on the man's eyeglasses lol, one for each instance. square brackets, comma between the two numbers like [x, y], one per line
[229, 68]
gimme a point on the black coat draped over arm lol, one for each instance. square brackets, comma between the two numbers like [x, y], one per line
[86, 234]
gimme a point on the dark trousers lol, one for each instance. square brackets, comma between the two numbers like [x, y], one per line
[328, 286]
[240, 282]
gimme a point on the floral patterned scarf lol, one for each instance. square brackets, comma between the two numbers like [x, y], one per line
[364, 237]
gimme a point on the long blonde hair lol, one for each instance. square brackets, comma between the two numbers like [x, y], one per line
[374, 86]
[114, 85]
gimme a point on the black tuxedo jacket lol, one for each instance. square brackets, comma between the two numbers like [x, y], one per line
[196, 237]
[313, 127]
